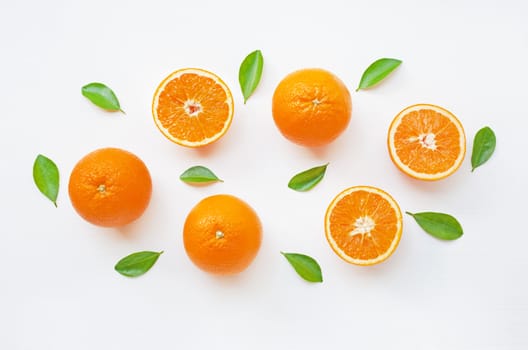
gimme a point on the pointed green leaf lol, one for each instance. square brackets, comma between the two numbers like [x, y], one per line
[305, 266]
[198, 174]
[136, 264]
[250, 72]
[439, 225]
[102, 96]
[483, 147]
[46, 177]
[377, 71]
[307, 179]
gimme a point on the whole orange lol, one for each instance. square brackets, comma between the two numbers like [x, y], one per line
[110, 187]
[222, 234]
[311, 107]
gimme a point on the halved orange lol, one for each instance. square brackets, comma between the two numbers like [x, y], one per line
[426, 142]
[193, 107]
[363, 225]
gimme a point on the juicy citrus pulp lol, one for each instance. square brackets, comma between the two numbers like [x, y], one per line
[426, 142]
[363, 225]
[192, 107]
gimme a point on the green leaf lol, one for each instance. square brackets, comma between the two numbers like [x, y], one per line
[137, 264]
[198, 174]
[377, 71]
[439, 225]
[46, 177]
[305, 266]
[307, 179]
[102, 96]
[483, 147]
[250, 72]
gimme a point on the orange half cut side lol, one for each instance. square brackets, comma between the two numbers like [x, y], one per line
[193, 107]
[363, 225]
[426, 142]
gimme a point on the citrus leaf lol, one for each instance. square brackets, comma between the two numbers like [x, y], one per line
[46, 177]
[136, 264]
[250, 72]
[198, 174]
[377, 71]
[305, 266]
[307, 179]
[483, 147]
[101, 96]
[439, 225]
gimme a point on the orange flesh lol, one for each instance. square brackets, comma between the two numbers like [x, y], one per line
[357, 206]
[193, 107]
[410, 136]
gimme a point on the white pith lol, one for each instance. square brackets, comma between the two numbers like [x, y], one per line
[399, 224]
[201, 72]
[363, 225]
[426, 141]
[189, 104]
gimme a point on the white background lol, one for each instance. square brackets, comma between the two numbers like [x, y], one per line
[58, 289]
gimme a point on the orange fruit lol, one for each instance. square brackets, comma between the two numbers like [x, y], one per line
[222, 234]
[110, 187]
[192, 107]
[363, 225]
[427, 142]
[311, 107]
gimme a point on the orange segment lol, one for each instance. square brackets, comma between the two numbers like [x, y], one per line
[427, 142]
[193, 107]
[363, 225]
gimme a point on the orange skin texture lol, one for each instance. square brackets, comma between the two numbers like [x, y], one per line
[311, 107]
[110, 187]
[240, 230]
